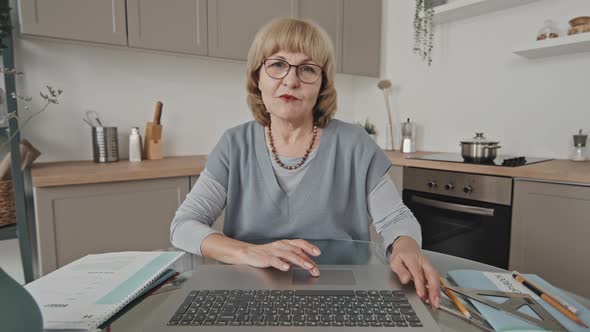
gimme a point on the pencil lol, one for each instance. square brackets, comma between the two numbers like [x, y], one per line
[549, 300]
[551, 295]
[454, 298]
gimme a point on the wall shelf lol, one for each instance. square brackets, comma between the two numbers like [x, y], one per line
[459, 9]
[557, 46]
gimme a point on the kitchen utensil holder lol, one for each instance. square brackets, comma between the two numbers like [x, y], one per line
[105, 144]
[153, 141]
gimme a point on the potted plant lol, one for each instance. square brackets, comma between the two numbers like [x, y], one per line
[369, 128]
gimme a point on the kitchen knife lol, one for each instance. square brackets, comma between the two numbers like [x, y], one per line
[158, 113]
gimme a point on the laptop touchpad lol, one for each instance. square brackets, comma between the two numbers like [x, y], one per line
[327, 277]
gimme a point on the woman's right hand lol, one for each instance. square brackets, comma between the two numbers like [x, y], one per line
[281, 255]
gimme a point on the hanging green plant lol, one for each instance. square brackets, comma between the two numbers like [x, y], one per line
[424, 29]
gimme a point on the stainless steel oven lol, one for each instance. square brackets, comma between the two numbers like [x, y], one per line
[462, 214]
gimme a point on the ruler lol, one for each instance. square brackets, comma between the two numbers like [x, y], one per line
[514, 301]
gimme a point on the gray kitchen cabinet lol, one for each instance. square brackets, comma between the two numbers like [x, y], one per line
[232, 24]
[361, 37]
[92, 21]
[173, 25]
[327, 14]
[550, 233]
[73, 221]
[215, 28]
[355, 30]
[353, 26]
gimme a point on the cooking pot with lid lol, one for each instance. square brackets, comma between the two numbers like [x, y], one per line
[479, 149]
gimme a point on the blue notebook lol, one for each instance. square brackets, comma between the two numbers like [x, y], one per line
[162, 279]
[502, 321]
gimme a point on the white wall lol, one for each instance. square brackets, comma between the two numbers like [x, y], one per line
[474, 84]
[201, 97]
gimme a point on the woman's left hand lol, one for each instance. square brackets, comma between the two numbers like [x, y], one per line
[408, 263]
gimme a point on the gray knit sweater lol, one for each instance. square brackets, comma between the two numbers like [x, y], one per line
[333, 196]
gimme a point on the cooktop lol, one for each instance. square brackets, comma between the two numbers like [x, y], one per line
[501, 160]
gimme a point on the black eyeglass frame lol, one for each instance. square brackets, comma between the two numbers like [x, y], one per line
[296, 70]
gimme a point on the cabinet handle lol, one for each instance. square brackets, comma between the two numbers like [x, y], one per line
[113, 14]
[453, 206]
[198, 23]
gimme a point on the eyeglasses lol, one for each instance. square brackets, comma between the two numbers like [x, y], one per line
[306, 72]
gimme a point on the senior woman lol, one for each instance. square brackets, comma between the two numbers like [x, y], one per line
[296, 173]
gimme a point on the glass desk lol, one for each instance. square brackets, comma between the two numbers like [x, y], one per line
[340, 252]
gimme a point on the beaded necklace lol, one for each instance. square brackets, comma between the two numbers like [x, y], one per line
[303, 159]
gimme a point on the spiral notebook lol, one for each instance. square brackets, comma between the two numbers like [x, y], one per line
[85, 293]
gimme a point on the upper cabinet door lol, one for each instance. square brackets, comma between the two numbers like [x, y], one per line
[86, 20]
[233, 24]
[361, 40]
[171, 25]
[327, 14]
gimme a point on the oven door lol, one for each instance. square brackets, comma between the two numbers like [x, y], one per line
[470, 229]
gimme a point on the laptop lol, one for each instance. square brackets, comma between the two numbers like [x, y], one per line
[243, 298]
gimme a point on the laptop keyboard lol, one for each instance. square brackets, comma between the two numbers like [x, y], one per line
[296, 308]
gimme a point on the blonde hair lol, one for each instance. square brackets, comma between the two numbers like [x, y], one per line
[297, 36]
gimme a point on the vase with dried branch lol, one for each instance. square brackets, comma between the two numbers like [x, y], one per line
[12, 188]
[51, 96]
[27, 152]
[385, 86]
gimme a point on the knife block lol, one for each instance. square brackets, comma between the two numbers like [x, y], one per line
[153, 141]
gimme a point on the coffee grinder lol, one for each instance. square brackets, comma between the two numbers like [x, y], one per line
[408, 137]
[580, 146]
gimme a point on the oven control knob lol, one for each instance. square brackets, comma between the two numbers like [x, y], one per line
[432, 185]
[449, 186]
[467, 189]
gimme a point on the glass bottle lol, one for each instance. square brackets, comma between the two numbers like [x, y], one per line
[548, 31]
[580, 146]
[135, 145]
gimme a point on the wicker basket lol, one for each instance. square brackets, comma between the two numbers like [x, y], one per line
[7, 210]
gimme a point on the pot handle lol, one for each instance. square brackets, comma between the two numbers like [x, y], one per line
[487, 146]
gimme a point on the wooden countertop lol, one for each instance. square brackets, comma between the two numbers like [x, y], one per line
[84, 172]
[557, 170]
